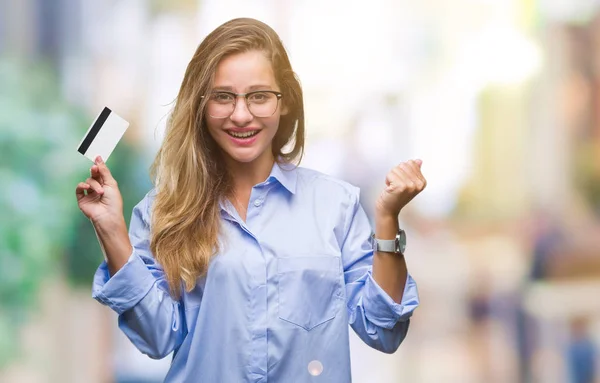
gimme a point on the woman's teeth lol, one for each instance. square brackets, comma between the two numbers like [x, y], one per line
[242, 134]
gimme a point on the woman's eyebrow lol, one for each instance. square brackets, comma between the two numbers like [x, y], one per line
[224, 88]
[251, 88]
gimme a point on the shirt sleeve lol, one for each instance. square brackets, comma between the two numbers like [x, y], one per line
[375, 317]
[139, 293]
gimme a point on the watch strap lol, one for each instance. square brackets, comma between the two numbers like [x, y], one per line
[396, 245]
[386, 245]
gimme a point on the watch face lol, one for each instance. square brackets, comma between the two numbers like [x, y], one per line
[401, 241]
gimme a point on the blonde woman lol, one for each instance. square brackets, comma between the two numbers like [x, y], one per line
[245, 266]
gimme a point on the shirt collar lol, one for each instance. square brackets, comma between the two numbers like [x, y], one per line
[286, 175]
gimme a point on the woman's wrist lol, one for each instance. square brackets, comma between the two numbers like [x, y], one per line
[386, 225]
[109, 223]
[114, 241]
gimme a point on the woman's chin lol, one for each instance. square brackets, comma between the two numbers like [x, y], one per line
[243, 156]
[251, 154]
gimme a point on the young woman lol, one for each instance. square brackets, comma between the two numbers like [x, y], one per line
[245, 266]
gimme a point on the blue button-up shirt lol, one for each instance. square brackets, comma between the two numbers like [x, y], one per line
[276, 302]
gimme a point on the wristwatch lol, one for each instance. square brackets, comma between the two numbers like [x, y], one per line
[396, 245]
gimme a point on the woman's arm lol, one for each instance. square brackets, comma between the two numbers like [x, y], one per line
[403, 183]
[139, 293]
[114, 242]
[376, 318]
[389, 269]
[130, 281]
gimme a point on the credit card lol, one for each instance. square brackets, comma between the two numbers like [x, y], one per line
[103, 135]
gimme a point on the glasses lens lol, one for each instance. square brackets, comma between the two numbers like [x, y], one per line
[221, 104]
[262, 104]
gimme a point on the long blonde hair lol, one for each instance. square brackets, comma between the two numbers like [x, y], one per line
[189, 176]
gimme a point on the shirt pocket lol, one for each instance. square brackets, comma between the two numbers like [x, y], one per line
[309, 289]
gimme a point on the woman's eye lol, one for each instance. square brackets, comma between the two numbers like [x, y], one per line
[259, 97]
[222, 97]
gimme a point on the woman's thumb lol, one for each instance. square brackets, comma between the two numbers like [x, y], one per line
[104, 171]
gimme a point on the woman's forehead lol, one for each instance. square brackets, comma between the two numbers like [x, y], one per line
[244, 72]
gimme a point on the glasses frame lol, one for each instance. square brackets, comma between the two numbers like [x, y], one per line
[279, 96]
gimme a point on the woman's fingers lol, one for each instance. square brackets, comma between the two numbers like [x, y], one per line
[89, 186]
[96, 186]
[105, 173]
[100, 172]
[95, 174]
[80, 190]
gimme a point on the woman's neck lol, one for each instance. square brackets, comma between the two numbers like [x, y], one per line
[245, 175]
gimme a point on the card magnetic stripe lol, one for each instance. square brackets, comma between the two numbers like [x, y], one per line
[87, 141]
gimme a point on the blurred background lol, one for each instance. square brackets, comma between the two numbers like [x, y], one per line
[501, 100]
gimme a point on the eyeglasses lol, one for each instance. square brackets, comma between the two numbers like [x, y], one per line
[261, 103]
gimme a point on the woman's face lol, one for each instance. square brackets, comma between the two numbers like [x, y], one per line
[242, 136]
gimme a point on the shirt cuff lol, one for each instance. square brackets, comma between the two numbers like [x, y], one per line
[380, 308]
[126, 288]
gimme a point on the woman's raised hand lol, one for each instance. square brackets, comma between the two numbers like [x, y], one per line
[99, 197]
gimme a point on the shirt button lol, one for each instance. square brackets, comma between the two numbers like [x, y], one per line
[258, 202]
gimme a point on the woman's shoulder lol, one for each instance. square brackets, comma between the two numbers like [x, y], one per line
[144, 205]
[149, 197]
[313, 179]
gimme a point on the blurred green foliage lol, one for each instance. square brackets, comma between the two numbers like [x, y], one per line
[42, 232]
[37, 129]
